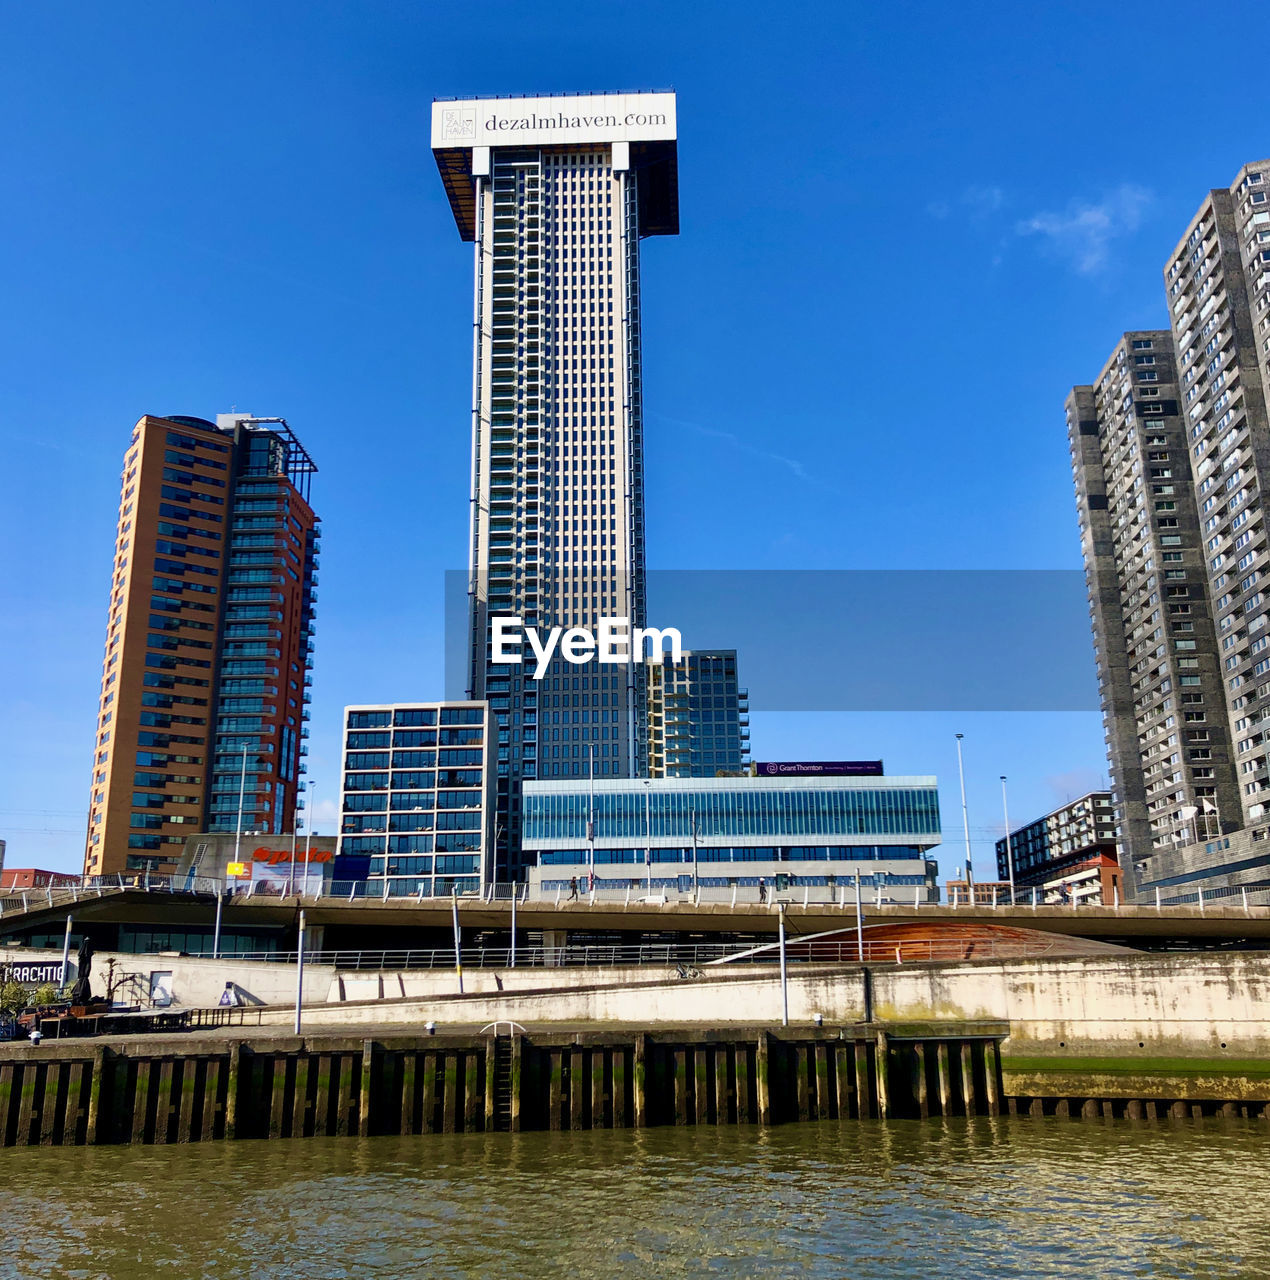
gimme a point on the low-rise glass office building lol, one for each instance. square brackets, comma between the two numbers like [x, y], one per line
[417, 795]
[720, 835]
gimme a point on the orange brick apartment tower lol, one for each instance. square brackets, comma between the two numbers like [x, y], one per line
[205, 679]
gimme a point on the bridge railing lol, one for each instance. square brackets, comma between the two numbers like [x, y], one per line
[1245, 898]
[668, 955]
[527, 956]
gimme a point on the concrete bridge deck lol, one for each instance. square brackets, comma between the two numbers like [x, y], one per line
[393, 920]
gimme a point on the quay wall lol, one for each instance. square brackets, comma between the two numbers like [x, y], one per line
[1164, 1004]
[1178, 1003]
[1158, 1037]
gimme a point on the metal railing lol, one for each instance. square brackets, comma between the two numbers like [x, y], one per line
[665, 954]
[1238, 897]
[903, 950]
[842, 898]
[670, 955]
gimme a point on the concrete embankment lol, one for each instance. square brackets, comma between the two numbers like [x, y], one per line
[1170, 1004]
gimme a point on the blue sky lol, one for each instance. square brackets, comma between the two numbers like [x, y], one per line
[906, 231]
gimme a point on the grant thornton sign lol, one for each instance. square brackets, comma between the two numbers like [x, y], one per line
[820, 769]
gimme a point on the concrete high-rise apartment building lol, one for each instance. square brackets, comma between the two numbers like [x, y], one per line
[556, 195]
[1218, 282]
[205, 677]
[1188, 711]
[1158, 672]
[698, 716]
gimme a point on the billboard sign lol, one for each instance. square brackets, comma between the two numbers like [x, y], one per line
[820, 769]
[596, 117]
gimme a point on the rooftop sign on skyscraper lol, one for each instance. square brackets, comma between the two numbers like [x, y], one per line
[597, 117]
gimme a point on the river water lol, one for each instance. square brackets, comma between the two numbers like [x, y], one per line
[979, 1198]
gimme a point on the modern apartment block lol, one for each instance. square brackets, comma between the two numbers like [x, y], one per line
[1158, 671]
[1188, 711]
[556, 195]
[209, 640]
[1069, 855]
[698, 716]
[1218, 282]
[417, 796]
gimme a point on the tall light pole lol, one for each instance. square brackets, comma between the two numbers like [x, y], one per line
[965, 821]
[590, 818]
[696, 882]
[242, 795]
[780, 924]
[308, 845]
[295, 827]
[66, 953]
[1009, 852]
[299, 972]
[493, 863]
[458, 938]
[648, 834]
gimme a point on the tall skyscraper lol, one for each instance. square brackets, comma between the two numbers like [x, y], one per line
[556, 195]
[698, 716]
[1158, 670]
[205, 678]
[1171, 452]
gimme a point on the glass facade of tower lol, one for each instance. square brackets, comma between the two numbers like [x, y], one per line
[557, 529]
[209, 639]
[725, 835]
[698, 716]
[267, 630]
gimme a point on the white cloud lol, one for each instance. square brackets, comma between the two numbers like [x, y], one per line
[742, 446]
[1083, 232]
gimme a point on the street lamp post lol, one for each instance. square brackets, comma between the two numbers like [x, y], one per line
[648, 834]
[493, 864]
[299, 972]
[965, 821]
[590, 819]
[295, 827]
[780, 919]
[242, 796]
[66, 953]
[458, 938]
[859, 919]
[696, 881]
[308, 846]
[1009, 851]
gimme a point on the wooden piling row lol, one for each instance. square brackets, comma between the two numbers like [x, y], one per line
[76, 1093]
